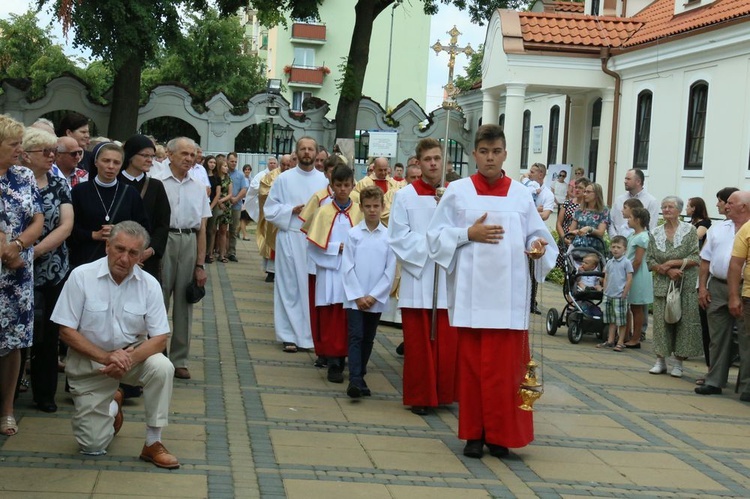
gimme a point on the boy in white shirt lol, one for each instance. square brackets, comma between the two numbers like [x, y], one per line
[368, 267]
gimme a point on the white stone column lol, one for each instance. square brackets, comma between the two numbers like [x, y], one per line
[490, 106]
[577, 131]
[515, 98]
[605, 141]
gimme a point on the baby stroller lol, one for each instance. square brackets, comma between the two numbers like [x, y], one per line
[581, 313]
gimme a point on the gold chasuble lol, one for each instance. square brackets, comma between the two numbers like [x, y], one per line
[265, 234]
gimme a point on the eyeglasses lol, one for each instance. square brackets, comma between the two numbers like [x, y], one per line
[72, 153]
[146, 156]
[46, 151]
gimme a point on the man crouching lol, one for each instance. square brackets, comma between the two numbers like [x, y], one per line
[111, 315]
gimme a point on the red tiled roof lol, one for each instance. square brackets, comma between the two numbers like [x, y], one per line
[575, 7]
[567, 29]
[659, 20]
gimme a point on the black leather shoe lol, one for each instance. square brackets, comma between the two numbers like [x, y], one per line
[474, 449]
[335, 374]
[708, 390]
[353, 391]
[232, 258]
[420, 410]
[400, 349]
[270, 276]
[536, 311]
[320, 362]
[498, 450]
[366, 392]
[47, 406]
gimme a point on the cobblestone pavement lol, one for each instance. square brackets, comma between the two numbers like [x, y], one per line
[257, 422]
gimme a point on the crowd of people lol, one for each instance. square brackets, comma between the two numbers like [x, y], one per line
[100, 240]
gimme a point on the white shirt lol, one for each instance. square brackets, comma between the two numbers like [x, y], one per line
[109, 315]
[368, 266]
[488, 284]
[545, 199]
[187, 200]
[717, 250]
[200, 174]
[617, 220]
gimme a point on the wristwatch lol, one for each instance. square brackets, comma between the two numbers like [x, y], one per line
[200, 266]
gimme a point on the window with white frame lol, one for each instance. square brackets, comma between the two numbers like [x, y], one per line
[696, 125]
[525, 136]
[304, 57]
[642, 130]
[298, 98]
[554, 131]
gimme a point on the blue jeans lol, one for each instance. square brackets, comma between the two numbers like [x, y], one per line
[362, 329]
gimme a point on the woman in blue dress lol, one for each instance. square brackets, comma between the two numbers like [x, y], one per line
[24, 222]
[591, 220]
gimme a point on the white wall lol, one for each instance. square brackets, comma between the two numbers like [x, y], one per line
[669, 75]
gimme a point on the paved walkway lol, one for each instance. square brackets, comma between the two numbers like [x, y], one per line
[256, 422]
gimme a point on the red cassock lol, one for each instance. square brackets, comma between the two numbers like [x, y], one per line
[332, 338]
[314, 319]
[429, 366]
[492, 365]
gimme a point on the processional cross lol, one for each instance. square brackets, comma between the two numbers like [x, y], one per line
[453, 50]
[450, 91]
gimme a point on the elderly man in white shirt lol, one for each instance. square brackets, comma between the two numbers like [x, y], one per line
[713, 292]
[112, 317]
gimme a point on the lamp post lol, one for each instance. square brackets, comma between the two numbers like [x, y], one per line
[390, 54]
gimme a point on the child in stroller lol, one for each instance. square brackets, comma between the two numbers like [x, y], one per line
[583, 292]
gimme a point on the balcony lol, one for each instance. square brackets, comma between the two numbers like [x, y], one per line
[312, 34]
[306, 77]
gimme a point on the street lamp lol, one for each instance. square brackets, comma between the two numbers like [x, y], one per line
[284, 135]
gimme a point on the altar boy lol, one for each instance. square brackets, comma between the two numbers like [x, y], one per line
[368, 267]
[484, 229]
[326, 233]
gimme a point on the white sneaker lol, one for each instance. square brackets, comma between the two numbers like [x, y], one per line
[676, 370]
[660, 367]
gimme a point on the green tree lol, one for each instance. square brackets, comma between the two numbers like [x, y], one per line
[126, 34]
[473, 71]
[209, 59]
[271, 13]
[28, 51]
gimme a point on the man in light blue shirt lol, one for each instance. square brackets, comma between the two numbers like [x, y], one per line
[240, 185]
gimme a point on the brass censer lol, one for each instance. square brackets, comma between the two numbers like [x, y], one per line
[531, 389]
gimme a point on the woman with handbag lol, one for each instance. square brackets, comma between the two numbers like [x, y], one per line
[673, 257]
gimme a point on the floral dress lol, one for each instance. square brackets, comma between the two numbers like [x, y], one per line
[51, 268]
[21, 201]
[684, 338]
[226, 214]
[590, 218]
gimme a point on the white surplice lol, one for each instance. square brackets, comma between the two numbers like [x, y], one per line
[407, 235]
[291, 308]
[488, 284]
[252, 205]
[368, 266]
[329, 284]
